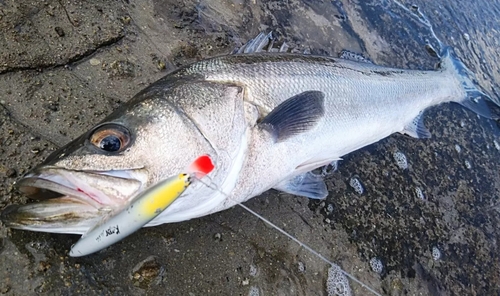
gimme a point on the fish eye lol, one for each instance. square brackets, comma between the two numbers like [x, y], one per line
[110, 137]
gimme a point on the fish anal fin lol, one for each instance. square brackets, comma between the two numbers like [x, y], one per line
[307, 185]
[296, 115]
[416, 128]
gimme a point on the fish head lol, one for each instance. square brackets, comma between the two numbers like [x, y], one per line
[156, 135]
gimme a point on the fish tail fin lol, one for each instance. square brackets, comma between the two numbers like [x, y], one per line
[475, 99]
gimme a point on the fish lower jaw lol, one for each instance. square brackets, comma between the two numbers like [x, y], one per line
[60, 215]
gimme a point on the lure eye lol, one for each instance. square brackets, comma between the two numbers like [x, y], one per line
[110, 138]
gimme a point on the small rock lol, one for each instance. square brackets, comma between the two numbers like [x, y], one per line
[254, 291]
[218, 237]
[59, 31]
[11, 173]
[397, 285]
[4, 288]
[356, 185]
[401, 160]
[301, 266]
[436, 253]
[497, 146]
[376, 265]
[52, 106]
[253, 270]
[125, 19]
[419, 193]
[94, 62]
[43, 266]
[145, 272]
[337, 283]
[161, 65]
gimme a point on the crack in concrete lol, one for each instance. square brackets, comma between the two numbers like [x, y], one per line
[75, 59]
[67, 15]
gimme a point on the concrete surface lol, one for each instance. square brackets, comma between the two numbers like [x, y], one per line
[64, 65]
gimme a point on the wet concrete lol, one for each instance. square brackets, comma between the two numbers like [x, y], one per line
[65, 65]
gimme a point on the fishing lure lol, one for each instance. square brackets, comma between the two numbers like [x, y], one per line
[143, 209]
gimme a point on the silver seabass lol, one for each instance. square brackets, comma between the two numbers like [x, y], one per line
[266, 120]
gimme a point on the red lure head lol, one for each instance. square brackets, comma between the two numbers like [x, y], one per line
[201, 166]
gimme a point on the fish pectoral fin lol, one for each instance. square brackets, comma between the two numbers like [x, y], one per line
[307, 185]
[296, 115]
[416, 128]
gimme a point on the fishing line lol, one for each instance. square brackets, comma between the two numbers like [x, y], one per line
[213, 186]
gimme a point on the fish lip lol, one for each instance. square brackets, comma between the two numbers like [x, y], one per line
[62, 207]
[35, 185]
[55, 182]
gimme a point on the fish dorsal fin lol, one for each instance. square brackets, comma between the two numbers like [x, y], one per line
[416, 128]
[256, 44]
[352, 56]
[296, 115]
[265, 42]
[307, 185]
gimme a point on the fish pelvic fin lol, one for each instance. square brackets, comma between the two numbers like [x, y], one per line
[306, 184]
[416, 128]
[475, 100]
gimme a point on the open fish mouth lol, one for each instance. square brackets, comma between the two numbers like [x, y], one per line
[72, 201]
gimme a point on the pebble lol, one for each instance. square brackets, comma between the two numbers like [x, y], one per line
[419, 193]
[497, 146]
[253, 270]
[376, 265]
[94, 62]
[301, 266]
[59, 31]
[356, 185]
[337, 283]
[145, 271]
[254, 291]
[436, 253]
[400, 159]
[11, 173]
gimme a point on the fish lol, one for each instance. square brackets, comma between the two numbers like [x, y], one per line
[265, 119]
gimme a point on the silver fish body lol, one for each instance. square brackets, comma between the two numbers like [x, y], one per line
[251, 114]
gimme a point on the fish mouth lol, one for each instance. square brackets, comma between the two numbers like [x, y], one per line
[72, 201]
